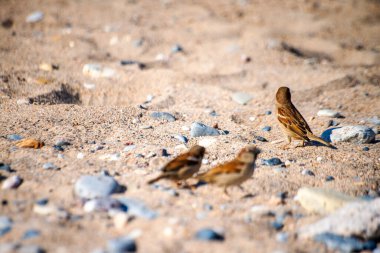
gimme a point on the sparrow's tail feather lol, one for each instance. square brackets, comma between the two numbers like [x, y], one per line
[316, 138]
[152, 181]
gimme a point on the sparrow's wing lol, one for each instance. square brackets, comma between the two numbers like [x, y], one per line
[179, 162]
[290, 117]
[233, 166]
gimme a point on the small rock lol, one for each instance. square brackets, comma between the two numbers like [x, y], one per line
[35, 17]
[89, 86]
[241, 97]
[277, 225]
[103, 204]
[181, 138]
[7, 23]
[42, 202]
[344, 244]
[199, 129]
[12, 182]
[163, 116]
[121, 245]
[58, 148]
[129, 148]
[30, 143]
[138, 208]
[146, 127]
[90, 187]
[271, 162]
[45, 67]
[322, 201]
[80, 155]
[23, 101]
[96, 71]
[5, 167]
[266, 128]
[208, 234]
[329, 178]
[50, 166]
[366, 149]
[164, 153]
[169, 190]
[177, 48]
[14, 137]
[319, 159]
[332, 123]
[5, 225]
[355, 134]
[307, 172]
[31, 233]
[329, 113]
[260, 138]
[268, 112]
[282, 237]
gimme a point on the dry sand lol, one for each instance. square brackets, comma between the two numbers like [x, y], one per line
[327, 52]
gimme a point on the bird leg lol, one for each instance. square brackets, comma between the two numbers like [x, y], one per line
[226, 192]
[241, 188]
[286, 146]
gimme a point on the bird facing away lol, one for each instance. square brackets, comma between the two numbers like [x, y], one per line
[291, 121]
[235, 172]
[183, 166]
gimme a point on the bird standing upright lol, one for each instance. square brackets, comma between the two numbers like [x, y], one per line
[291, 121]
[183, 166]
[235, 172]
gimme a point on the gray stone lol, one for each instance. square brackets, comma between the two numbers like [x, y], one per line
[90, 187]
[163, 116]
[355, 134]
[121, 245]
[344, 244]
[241, 97]
[102, 205]
[360, 219]
[329, 113]
[271, 162]
[181, 138]
[307, 172]
[5, 225]
[138, 208]
[50, 166]
[199, 129]
[208, 234]
[322, 201]
[14, 137]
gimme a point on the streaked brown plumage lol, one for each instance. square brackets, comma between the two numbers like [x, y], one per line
[235, 172]
[291, 121]
[183, 166]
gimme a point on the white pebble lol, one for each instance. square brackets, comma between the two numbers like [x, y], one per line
[12, 182]
[80, 155]
[89, 86]
[319, 159]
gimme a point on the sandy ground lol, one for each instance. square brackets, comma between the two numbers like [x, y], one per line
[327, 52]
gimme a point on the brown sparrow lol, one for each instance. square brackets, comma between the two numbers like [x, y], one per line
[183, 166]
[235, 172]
[291, 121]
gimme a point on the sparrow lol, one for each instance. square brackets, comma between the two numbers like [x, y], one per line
[291, 121]
[233, 173]
[183, 166]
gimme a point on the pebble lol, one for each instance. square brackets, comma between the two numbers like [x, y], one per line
[121, 245]
[23, 101]
[164, 153]
[282, 237]
[146, 127]
[103, 204]
[344, 244]
[129, 148]
[277, 225]
[199, 129]
[177, 48]
[307, 172]
[271, 162]
[163, 116]
[322, 201]
[185, 128]
[30, 233]
[5, 167]
[58, 148]
[366, 149]
[90, 187]
[268, 112]
[80, 155]
[14, 137]
[110, 157]
[50, 166]
[319, 159]
[181, 138]
[5, 225]
[42, 202]
[241, 97]
[89, 86]
[266, 128]
[208, 234]
[260, 138]
[354, 134]
[96, 71]
[35, 17]
[329, 113]
[329, 178]
[12, 182]
[332, 123]
[137, 208]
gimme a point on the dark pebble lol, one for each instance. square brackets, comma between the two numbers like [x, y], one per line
[64, 143]
[207, 234]
[213, 114]
[5, 167]
[332, 123]
[268, 112]
[282, 195]
[121, 245]
[177, 48]
[366, 149]
[42, 202]
[7, 23]
[277, 225]
[267, 128]
[31, 233]
[271, 162]
[344, 244]
[128, 62]
[58, 148]
[307, 172]
[165, 153]
[329, 178]
[262, 139]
